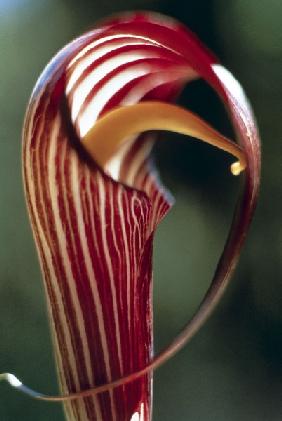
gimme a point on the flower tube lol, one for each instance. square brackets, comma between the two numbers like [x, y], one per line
[95, 200]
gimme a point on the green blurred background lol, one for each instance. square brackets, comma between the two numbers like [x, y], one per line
[232, 369]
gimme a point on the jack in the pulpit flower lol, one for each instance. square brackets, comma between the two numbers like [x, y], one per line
[95, 200]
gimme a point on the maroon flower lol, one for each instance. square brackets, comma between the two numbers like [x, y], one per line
[94, 201]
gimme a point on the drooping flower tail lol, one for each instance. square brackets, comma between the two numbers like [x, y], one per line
[94, 227]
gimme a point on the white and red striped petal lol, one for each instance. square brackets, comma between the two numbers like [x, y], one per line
[93, 230]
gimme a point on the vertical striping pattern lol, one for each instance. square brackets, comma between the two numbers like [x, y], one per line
[93, 229]
[93, 234]
[80, 242]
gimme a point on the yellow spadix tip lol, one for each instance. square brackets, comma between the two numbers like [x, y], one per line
[110, 131]
[237, 168]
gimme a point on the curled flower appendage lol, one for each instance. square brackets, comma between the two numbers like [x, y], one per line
[95, 200]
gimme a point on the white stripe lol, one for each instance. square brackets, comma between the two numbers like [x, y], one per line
[102, 200]
[44, 241]
[88, 83]
[92, 57]
[127, 259]
[152, 81]
[65, 259]
[95, 295]
[94, 289]
[137, 161]
[47, 254]
[111, 38]
[93, 109]
[86, 254]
